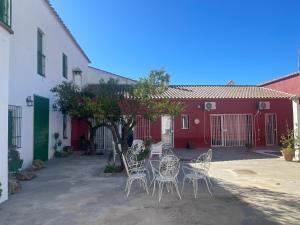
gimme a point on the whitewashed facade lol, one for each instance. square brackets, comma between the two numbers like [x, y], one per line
[4, 71]
[21, 78]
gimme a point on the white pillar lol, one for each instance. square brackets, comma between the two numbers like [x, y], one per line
[4, 72]
[296, 120]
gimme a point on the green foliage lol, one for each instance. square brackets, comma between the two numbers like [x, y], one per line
[287, 140]
[143, 154]
[110, 104]
[112, 168]
[0, 190]
[14, 160]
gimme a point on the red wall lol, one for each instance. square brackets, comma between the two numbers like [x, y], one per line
[200, 134]
[79, 128]
[290, 85]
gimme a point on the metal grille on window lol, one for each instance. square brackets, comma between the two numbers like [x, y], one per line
[14, 126]
[142, 128]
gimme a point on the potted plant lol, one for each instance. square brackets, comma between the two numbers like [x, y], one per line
[57, 145]
[14, 160]
[287, 140]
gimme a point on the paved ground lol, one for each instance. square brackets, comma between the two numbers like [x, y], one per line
[71, 191]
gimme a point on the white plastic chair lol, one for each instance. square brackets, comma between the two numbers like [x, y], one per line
[156, 149]
[168, 172]
[198, 170]
[135, 172]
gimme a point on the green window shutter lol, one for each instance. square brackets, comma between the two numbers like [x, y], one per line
[10, 128]
[2, 8]
[65, 66]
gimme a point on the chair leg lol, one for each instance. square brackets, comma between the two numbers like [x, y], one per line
[177, 189]
[196, 188]
[161, 187]
[207, 186]
[154, 187]
[126, 186]
[209, 181]
[146, 186]
[129, 188]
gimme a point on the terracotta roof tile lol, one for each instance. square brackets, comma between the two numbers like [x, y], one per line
[222, 92]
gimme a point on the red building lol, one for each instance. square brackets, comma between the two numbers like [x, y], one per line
[289, 83]
[216, 116]
[225, 116]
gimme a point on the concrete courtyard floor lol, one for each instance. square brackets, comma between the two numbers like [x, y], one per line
[249, 188]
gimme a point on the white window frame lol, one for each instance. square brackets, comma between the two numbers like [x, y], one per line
[187, 125]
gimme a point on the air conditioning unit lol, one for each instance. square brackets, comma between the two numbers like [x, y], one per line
[209, 106]
[263, 105]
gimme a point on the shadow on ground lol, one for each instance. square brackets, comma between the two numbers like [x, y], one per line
[74, 191]
[222, 154]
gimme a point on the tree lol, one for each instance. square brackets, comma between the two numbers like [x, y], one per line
[111, 104]
[79, 104]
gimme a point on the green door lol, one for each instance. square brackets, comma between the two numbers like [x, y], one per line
[41, 128]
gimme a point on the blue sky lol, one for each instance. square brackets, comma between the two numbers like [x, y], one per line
[195, 41]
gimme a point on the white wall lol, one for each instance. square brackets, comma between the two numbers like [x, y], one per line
[4, 71]
[94, 75]
[27, 17]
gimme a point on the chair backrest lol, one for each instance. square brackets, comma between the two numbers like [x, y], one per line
[169, 166]
[137, 145]
[131, 158]
[167, 149]
[203, 161]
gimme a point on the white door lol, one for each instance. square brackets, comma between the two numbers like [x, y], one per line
[271, 128]
[167, 129]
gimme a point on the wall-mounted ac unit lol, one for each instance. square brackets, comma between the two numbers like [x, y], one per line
[209, 106]
[263, 105]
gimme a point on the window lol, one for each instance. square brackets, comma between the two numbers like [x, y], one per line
[14, 126]
[5, 12]
[184, 122]
[40, 53]
[65, 65]
[65, 124]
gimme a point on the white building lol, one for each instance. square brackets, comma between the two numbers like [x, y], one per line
[37, 52]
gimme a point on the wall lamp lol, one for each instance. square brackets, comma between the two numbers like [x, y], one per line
[29, 101]
[55, 107]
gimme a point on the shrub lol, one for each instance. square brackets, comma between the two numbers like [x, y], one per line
[287, 140]
[112, 168]
[143, 154]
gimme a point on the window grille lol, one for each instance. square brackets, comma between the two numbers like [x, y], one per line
[14, 126]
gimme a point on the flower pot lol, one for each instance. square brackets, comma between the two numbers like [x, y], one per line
[288, 156]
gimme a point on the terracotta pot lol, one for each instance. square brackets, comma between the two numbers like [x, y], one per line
[288, 156]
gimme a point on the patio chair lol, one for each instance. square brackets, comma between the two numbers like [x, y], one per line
[156, 149]
[138, 145]
[167, 149]
[198, 170]
[167, 174]
[135, 172]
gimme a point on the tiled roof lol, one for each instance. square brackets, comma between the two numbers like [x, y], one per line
[66, 28]
[222, 92]
[280, 78]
